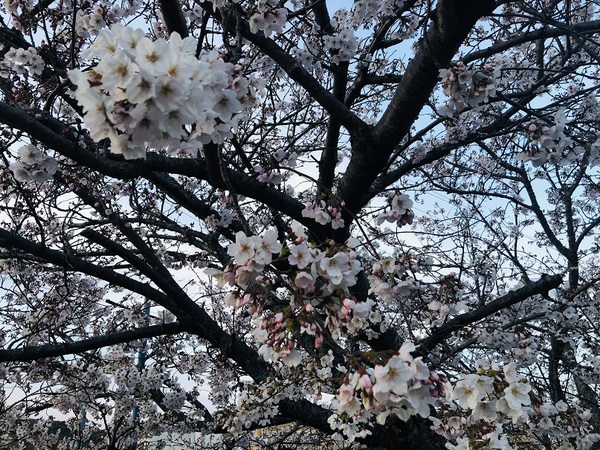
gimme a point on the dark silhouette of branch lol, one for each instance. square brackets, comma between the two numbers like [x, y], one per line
[32, 353]
[370, 151]
[543, 33]
[49, 133]
[542, 286]
[173, 15]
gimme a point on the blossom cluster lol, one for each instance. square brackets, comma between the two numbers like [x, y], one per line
[317, 279]
[336, 270]
[268, 173]
[268, 17]
[342, 46]
[305, 57]
[251, 254]
[549, 143]
[90, 19]
[331, 270]
[493, 395]
[277, 343]
[546, 142]
[323, 214]
[363, 11]
[402, 387]
[397, 210]
[468, 86]
[90, 22]
[33, 165]
[391, 279]
[157, 94]
[256, 404]
[21, 61]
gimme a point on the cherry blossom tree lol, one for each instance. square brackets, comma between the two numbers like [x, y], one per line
[300, 224]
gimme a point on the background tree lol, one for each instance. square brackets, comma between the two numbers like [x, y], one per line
[205, 224]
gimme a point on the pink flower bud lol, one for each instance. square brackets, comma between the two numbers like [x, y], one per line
[318, 340]
[365, 382]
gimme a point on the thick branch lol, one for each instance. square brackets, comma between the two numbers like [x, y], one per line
[174, 20]
[329, 157]
[11, 240]
[37, 352]
[581, 28]
[49, 133]
[541, 286]
[454, 21]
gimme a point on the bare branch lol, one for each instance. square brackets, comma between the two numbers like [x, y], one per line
[541, 286]
[37, 352]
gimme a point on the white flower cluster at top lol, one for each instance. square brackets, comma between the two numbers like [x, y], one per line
[157, 94]
[268, 17]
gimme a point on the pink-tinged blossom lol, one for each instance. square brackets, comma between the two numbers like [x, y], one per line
[300, 255]
[322, 214]
[401, 203]
[466, 394]
[517, 395]
[322, 217]
[392, 378]
[346, 393]
[242, 250]
[365, 382]
[386, 265]
[510, 372]
[335, 267]
[304, 280]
